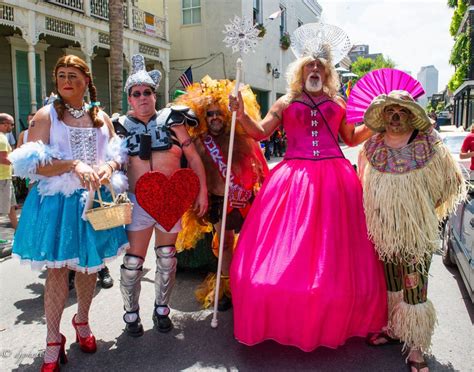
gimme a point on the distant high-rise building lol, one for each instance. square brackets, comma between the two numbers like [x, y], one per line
[428, 77]
[362, 50]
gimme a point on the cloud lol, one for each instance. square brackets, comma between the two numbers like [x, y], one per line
[412, 33]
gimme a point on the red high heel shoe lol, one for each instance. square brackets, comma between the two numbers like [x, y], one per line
[87, 344]
[54, 366]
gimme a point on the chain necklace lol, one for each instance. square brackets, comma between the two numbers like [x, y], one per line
[76, 113]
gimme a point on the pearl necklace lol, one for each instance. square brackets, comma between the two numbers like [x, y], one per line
[76, 113]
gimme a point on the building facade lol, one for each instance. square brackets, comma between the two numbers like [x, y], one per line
[463, 102]
[362, 50]
[196, 34]
[34, 34]
[428, 77]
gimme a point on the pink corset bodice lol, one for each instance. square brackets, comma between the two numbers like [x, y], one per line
[312, 128]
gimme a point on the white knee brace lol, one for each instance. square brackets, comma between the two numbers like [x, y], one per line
[165, 274]
[131, 273]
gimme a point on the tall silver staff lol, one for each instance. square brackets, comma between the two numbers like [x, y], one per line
[241, 35]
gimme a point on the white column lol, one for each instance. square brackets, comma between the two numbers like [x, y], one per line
[40, 49]
[165, 16]
[166, 66]
[89, 48]
[131, 49]
[32, 76]
[88, 61]
[130, 15]
[87, 8]
[109, 84]
[32, 40]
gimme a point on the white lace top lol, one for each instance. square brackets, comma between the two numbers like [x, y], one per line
[85, 144]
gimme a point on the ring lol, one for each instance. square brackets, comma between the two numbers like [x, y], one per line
[85, 177]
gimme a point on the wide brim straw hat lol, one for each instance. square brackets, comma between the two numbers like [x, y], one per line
[373, 117]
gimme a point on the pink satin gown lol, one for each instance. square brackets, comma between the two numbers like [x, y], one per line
[304, 272]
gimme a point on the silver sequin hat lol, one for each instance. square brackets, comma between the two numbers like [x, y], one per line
[140, 76]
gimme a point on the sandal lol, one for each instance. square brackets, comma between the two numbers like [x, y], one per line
[417, 365]
[380, 336]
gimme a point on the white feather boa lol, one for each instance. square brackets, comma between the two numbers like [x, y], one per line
[27, 158]
[68, 183]
[117, 150]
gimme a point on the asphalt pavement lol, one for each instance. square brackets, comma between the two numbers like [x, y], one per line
[193, 345]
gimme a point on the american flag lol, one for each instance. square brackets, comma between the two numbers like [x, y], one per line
[186, 78]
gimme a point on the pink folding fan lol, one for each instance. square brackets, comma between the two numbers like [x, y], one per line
[378, 82]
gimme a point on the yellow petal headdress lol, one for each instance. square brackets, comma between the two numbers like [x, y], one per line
[210, 91]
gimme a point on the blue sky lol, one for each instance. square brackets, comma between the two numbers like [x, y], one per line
[413, 33]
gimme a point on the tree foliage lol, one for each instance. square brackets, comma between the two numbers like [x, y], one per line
[458, 78]
[457, 16]
[452, 3]
[440, 106]
[364, 65]
[461, 53]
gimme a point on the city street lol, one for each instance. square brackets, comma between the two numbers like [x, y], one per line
[193, 345]
[167, 74]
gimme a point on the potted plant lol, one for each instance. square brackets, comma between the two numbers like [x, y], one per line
[285, 41]
[262, 30]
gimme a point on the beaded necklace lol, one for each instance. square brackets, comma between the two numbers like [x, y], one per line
[76, 113]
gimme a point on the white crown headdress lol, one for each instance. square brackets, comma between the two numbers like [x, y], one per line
[320, 40]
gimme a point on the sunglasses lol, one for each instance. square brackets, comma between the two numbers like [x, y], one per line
[212, 113]
[146, 93]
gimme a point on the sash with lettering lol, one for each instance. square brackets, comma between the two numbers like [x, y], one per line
[238, 195]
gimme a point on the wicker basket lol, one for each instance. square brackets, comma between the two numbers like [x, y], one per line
[110, 214]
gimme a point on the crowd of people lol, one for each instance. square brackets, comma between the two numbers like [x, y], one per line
[349, 252]
[275, 145]
[7, 192]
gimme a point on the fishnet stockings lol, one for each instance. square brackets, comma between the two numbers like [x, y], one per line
[55, 295]
[85, 286]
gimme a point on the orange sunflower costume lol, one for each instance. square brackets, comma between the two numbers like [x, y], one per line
[248, 169]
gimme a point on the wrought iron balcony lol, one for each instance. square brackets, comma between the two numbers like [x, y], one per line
[77, 5]
[144, 22]
[7, 13]
[100, 9]
[148, 23]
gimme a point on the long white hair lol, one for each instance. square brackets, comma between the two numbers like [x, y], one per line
[294, 77]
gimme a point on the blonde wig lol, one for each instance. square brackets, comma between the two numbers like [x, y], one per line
[294, 77]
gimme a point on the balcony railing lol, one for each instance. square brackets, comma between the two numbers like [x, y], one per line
[100, 9]
[7, 13]
[141, 21]
[148, 23]
[77, 5]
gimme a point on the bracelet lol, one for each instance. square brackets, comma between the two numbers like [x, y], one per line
[74, 164]
[111, 168]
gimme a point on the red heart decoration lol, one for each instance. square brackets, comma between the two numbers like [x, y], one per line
[166, 199]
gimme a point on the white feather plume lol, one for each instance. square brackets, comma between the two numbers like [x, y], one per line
[27, 158]
[117, 150]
